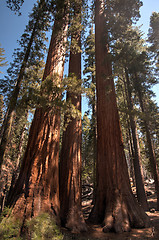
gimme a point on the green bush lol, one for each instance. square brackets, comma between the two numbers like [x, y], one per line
[43, 227]
[9, 227]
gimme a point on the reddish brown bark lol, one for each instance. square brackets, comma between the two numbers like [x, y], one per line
[70, 160]
[37, 187]
[115, 204]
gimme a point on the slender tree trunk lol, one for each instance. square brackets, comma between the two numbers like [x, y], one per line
[131, 154]
[70, 161]
[94, 123]
[7, 123]
[152, 157]
[94, 139]
[21, 142]
[115, 204]
[37, 187]
[129, 135]
[19, 149]
[141, 195]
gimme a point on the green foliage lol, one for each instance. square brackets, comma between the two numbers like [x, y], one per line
[51, 91]
[153, 31]
[2, 58]
[89, 118]
[19, 137]
[43, 227]
[124, 112]
[30, 92]
[15, 5]
[32, 47]
[15, 148]
[6, 213]
[119, 14]
[72, 84]
[9, 226]
[1, 109]
[75, 27]
[70, 111]
[89, 67]
[89, 45]
[153, 37]
[88, 151]
[131, 55]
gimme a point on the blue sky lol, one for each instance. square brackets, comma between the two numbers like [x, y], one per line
[146, 10]
[12, 27]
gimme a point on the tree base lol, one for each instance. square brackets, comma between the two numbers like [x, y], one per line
[75, 221]
[121, 214]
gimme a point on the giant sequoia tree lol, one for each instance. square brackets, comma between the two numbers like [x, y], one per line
[37, 187]
[70, 160]
[115, 204]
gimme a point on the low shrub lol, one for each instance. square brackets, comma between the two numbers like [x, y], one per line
[43, 227]
[9, 227]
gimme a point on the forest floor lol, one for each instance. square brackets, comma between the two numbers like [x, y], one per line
[95, 231]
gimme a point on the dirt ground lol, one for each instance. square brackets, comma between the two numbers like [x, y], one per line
[95, 231]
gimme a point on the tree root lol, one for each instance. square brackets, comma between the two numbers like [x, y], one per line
[119, 213]
[122, 215]
[75, 221]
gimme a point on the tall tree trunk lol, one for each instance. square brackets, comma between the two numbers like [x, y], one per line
[7, 123]
[37, 187]
[152, 157]
[115, 204]
[70, 161]
[141, 195]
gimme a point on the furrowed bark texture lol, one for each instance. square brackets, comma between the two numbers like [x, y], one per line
[37, 187]
[70, 160]
[115, 206]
